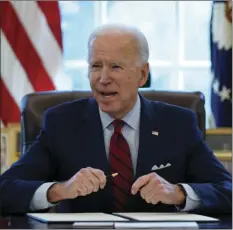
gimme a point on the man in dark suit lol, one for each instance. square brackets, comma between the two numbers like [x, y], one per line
[162, 161]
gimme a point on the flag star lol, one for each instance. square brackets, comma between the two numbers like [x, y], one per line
[225, 93]
[215, 86]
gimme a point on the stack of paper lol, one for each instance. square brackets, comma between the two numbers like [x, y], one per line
[156, 225]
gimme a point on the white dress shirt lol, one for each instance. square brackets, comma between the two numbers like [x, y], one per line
[131, 133]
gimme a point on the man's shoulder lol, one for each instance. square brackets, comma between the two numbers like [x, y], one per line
[172, 117]
[166, 107]
[173, 112]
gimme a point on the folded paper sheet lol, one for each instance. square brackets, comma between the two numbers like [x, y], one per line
[166, 216]
[95, 225]
[74, 217]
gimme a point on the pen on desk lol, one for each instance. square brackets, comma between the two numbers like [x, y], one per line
[112, 175]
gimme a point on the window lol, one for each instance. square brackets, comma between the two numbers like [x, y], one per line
[177, 32]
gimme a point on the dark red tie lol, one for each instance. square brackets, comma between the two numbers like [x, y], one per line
[120, 162]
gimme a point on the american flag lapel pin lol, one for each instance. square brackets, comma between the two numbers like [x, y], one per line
[155, 133]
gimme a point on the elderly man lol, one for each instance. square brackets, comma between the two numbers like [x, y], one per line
[117, 131]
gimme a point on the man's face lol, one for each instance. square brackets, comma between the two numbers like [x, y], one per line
[114, 74]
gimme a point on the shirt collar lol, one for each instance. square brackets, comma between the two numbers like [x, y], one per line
[131, 118]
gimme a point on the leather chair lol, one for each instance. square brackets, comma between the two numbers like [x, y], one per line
[33, 106]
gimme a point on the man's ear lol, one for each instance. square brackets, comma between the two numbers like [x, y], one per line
[144, 74]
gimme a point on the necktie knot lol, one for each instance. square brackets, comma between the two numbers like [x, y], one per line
[118, 124]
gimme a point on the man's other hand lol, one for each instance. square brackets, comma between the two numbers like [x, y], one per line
[84, 182]
[154, 189]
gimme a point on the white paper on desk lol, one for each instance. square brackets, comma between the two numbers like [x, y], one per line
[91, 225]
[74, 217]
[160, 225]
[177, 216]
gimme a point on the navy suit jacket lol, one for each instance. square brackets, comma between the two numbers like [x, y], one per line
[72, 138]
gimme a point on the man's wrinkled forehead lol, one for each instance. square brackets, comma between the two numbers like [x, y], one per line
[112, 45]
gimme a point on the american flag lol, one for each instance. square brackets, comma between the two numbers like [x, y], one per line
[221, 63]
[31, 52]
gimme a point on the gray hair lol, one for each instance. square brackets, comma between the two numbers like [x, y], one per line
[140, 38]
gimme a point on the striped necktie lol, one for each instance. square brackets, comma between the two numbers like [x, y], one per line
[120, 162]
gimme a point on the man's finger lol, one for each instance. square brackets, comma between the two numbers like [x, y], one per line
[155, 199]
[145, 189]
[149, 195]
[95, 181]
[149, 188]
[139, 183]
[82, 189]
[88, 184]
[101, 176]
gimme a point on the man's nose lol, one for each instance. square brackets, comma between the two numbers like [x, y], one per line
[105, 76]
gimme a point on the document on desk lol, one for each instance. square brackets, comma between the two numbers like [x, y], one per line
[177, 216]
[156, 225]
[94, 225]
[74, 217]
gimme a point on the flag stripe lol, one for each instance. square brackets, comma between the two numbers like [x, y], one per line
[9, 109]
[31, 47]
[41, 36]
[24, 50]
[14, 77]
[52, 18]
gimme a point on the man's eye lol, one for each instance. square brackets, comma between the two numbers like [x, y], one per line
[116, 67]
[95, 66]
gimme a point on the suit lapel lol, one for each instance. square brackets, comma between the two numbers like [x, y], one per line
[95, 152]
[93, 137]
[149, 144]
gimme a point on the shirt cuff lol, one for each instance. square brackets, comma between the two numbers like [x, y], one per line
[39, 200]
[192, 199]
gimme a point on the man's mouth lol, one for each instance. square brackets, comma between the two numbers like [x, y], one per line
[108, 94]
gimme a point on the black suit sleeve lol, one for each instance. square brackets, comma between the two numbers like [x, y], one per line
[35, 167]
[206, 174]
